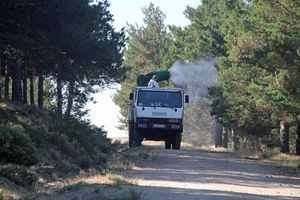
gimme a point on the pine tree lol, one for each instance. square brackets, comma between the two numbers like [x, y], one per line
[147, 50]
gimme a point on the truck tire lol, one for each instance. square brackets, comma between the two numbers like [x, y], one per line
[177, 141]
[137, 139]
[167, 144]
[130, 134]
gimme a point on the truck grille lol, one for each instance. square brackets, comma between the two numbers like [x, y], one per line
[159, 123]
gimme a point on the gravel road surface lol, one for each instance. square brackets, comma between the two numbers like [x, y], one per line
[192, 173]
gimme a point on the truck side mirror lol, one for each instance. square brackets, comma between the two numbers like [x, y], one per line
[131, 96]
[186, 98]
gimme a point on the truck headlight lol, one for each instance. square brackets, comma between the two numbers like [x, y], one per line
[140, 125]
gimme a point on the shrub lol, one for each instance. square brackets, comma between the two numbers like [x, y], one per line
[270, 152]
[86, 134]
[63, 166]
[86, 138]
[19, 175]
[84, 160]
[16, 147]
[37, 135]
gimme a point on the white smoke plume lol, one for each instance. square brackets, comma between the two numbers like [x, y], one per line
[194, 78]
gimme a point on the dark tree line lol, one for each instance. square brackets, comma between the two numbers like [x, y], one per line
[66, 46]
[256, 44]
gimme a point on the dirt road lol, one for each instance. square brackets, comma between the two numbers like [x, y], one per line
[197, 174]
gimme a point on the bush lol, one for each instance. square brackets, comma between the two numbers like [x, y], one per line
[270, 152]
[37, 135]
[84, 160]
[19, 175]
[64, 167]
[90, 137]
[90, 141]
[16, 147]
[61, 142]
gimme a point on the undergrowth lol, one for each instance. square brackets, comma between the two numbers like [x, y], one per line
[36, 145]
[284, 159]
[19, 175]
[36, 148]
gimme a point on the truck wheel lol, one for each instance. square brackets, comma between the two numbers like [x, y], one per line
[177, 141]
[167, 144]
[137, 139]
[130, 135]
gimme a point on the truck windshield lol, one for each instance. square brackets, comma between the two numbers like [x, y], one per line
[166, 99]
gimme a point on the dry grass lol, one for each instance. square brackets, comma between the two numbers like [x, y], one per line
[4, 193]
[10, 191]
[124, 158]
[116, 179]
[287, 160]
[3, 105]
[127, 158]
[216, 149]
[274, 155]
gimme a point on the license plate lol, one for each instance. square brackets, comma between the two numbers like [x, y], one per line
[159, 126]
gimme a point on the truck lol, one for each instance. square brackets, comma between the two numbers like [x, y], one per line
[156, 113]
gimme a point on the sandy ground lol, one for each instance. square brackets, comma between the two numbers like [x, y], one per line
[198, 174]
[192, 174]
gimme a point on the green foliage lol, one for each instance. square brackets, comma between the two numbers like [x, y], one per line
[64, 166]
[37, 135]
[265, 73]
[16, 147]
[57, 148]
[19, 175]
[76, 48]
[116, 178]
[270, 152]
[257, 48]
[186, 43]
[283, 159]
[89, 143]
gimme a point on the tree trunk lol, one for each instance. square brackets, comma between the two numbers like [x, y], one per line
[298, 137]
[21, 86]
[284, 137]
[70, 98]
[25, 96]
[225, 137]
[218, 135]
[41, 92]
[1, 61]
[236, 141]
[6, 82]
[16, 83]
[31, 89]
[59, 96]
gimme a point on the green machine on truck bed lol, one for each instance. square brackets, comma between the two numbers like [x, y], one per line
[156, 113]
[143, 79]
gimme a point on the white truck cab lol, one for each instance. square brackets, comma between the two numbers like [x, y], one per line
[156, 114]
